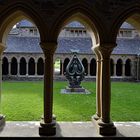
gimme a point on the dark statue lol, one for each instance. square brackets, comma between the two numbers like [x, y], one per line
[75, 72]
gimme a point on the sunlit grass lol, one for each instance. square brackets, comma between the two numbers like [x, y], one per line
[23, 101]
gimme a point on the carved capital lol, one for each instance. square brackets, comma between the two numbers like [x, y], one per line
[48, 47]
[103, 51]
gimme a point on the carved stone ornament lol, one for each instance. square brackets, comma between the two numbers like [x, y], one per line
[75, 72]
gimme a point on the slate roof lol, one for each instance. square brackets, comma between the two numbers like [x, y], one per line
[75, 24]
[25, 23]
[126, 25]
[31, 45]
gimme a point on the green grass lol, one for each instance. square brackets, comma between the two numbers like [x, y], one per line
[23, 101]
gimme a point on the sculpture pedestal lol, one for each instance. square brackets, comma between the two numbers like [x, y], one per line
[77, 90]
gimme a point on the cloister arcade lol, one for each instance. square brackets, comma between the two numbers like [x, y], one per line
[102, 18]
[31, 66]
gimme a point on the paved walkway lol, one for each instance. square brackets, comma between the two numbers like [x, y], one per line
[68, 129]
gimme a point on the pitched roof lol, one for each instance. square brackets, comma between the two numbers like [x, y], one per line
[65, 44]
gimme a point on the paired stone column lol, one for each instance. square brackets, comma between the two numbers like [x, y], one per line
[98, 73]
[48, 124]
[2, 117]
[103, 91]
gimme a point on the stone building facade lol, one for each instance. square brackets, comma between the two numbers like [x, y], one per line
[20, 63]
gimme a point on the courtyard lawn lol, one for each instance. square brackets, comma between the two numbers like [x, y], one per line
[23, 101]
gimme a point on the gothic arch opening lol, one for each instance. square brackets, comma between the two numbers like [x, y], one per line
[128, 67]
[31, 66]
[14, 66]
[119, 67]
[85, 64]
[93, 67]
[5, 66]
[111, 67]
[40, 67]
[22, 66]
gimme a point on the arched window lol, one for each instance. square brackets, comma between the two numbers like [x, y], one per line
[66, 61]
[128, 67]
[93, 67]
[14, 66]
[119, 68]
[31, 67]
[40, 66]
[111, 67]
[85, 64]
[22, 66]
[5, 66]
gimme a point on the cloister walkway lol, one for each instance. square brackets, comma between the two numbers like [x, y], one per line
[68, 129]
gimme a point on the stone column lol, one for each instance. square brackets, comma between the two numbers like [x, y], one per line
[98, 72]
[36, 68]
[2, 117]
[106, 127]
[88, 69]
[27, 68]
[9, 68]
[123, 69]
[48, 124]
[114, 69]
[18, 68]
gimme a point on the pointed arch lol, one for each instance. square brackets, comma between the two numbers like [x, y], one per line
[31, 66]
[40, 66]
[128, 67]
[80, 14]
[14, 66]
[119, 67]
[15, 13]
[22, 66]
[131, 15]
[5, 66]
[93, 67]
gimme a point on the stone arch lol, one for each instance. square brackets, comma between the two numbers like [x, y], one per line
[80, 14]
[40, 66]
[66, 61]
[85, 64]
[5, 66]
[93, 67]
[128, 67]
[16, 12]
[22, 69]
[14, 66]
[111, 67]
[31, 66]
[119, 67]
[131, 15]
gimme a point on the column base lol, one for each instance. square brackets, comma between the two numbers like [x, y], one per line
[105, 129]
[47, 129]
[96, 117]
[2, 121]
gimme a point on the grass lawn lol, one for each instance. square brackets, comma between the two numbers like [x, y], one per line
[23, 101]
